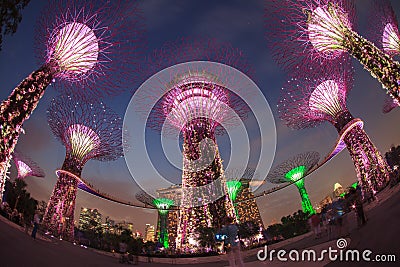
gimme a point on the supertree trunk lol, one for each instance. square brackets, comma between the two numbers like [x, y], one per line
[380, 65]
[59, 216]
[18, 108]
[207, 168]
[371, 169]
[306, 205]
[162, 231]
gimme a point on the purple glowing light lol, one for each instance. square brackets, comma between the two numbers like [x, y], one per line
[325, 98]
[26, 166]
[196, 98]
[75, 49]
[23, 169]
[391, 39]
[325, 29]
[82, 139]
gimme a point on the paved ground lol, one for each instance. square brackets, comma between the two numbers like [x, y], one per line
[380, 235]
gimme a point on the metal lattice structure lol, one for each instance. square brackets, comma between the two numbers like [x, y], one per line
[383, 27]
[83, 47]
[26, 166]
[308, 102]
[307, 36]
[196, 103]
[294, 170]
[88, 130]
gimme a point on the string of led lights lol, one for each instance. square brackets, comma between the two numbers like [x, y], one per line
[83, 47]
[88, 130]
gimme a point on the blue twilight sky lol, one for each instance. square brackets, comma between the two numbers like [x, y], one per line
[241, 24]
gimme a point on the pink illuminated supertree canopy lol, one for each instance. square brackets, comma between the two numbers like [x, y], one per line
[316, 33]
[26, 166]
[83, 47]
[196, 103]
[309, 101]
[88, 130]
[383, 28]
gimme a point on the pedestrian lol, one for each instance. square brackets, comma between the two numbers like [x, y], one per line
[232, 243]
[357, 204]
[36, 222]
[314, 222]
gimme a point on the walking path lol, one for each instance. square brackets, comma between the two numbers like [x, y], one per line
[19, 249]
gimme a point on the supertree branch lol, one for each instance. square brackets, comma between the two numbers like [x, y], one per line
[26, 166]
[389, 104]
[294, 170]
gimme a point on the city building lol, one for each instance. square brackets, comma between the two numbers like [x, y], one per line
[338, 190]
[149, 233]
[124, 225]
[90, 219]
[109, 225]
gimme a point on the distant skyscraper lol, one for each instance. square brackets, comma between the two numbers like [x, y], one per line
[90, 219]
[109, 225]
[338, 190]
[125, 225]
[149, 233]
[246, 205]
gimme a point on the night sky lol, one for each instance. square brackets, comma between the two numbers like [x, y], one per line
[240, 23]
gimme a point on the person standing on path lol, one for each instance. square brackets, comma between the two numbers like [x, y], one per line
[233, 244]
[36, 222]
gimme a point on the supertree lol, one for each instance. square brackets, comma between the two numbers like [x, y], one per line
[383, 30]
[310, 101]
[83, 47]
[317, 32]
[88, 130]
[294, 170]
[26, 166]
[195, 102]
[163, 205]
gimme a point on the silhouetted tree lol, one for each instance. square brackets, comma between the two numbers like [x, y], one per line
[206, 236]
[10, 16]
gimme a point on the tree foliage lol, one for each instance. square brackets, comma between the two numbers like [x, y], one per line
[290, 226]
[17, 197]
[10, 16]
